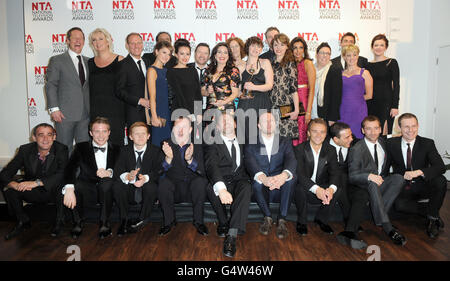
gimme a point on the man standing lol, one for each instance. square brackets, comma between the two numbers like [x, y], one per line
[272, 165]
[43, 161]
[201, 57]
[348, 39]
[95, 161]
[417, 159]
[270, 34]
[67, 91]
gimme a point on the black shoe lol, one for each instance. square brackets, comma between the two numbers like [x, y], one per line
[57, 229]
[167, 228]
[105, 231]
[441, 223]
[302, 230]
[136, 226]
[349, 238]
[76, 230]
[433, 228]
[201, 228]
[397, 238]
[229, 246]
[18, 229]
[324, 227]
[360, 229]
[123, 228]
[222, 230]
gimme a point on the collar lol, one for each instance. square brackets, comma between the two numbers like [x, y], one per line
[404, 142]
[136, 60]
[198, 67]
[143, 149]
[101, 146]
[312, 148]
[267, 140]
[73, 55]
[371, 144]
[335, 145]
[226, 138]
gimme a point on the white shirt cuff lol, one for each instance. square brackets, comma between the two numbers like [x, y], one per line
[63, 191]
[53, 109]
[124, 178]
[218, 186]
[314, 188]
[256, 177]
[112, 172]
[290, 175]
[333, 187]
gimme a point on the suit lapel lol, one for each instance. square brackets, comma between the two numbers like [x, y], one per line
[383, 146]
[91, 156]
[34, 160]
[398, 151]
[49, 159]
[322, 160]
[366, 151]
[110, 157]
[309, 159]
[415, 152]
[224, 149]
[69, 62]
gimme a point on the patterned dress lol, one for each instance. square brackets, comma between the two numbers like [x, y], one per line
[225, 82]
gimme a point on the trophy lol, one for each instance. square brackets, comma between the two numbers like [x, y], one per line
[214, 96]
[247, 94]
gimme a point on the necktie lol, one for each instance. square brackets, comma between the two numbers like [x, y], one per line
[201, 73]
[138, 191]
[96, 148]
[140, 66]
[408, 165]
[341, 156]
[81, 71]
[375, 156]
[233, 155]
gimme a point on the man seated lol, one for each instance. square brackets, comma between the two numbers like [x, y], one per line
[271, 163]
[417, 159]
[136, 176]
[184, 179]
[318, 177]
[43, 161]
[95, 161]
[224, 162]
[368, 169]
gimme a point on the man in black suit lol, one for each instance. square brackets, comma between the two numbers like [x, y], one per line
[318, 177]
[338, 62]
[151, 57]
[43, 162]
[271, 164]
[131, 82]
[224, 161]
[94, 161]
[184, 179]
[368, 169]
[136, 175]
[270, 34]
[417, 159]
[201, 57]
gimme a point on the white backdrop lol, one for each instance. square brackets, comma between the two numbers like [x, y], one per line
[210, 21]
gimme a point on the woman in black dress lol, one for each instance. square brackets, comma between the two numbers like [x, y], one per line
[386, 85]
[102, 70]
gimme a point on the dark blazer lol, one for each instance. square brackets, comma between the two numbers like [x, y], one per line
[327, 168]
[362, 62]
[283, 159]
[27, 159]
[179, 168]
[150, 57]
[361, 163]
[425, 157]
[192, 65]
[332, 95]
[83, 160]
[218, 164]
[151, 162]
[130, 87]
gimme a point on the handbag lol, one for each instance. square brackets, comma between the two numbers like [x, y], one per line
[288, 108]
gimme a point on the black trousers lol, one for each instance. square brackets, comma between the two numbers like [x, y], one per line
[359, 198]
[242, 192]
[124, 196]
[38, 195]
[89, 194]
[303, 196]
[344, 195]
[175, 191]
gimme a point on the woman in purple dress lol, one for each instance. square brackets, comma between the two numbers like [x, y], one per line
[357, 87]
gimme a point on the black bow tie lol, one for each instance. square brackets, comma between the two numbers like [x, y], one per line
[96, 148]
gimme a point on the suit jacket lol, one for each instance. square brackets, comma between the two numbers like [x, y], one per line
[27, 159]
[179, 168]
[150, 57]
[130, 87]
[361, 163]
[327, 168]
[151, 162]
[332, 95]
[219, 164]
[362, 62]
[425, 157]
[257, 161]
[83, 160]
[192, 64]
[64, 90]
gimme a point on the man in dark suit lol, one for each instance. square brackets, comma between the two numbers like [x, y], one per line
[224, 161]
[151, 57]
[136, 175]
[94, 160]
[318, 177]
[270, 34]
[348, 39]
[184, 179]
[131, 82]
[43, 162]
[368, 169]
[417, 159]
[271, 164]
[67, 91]
[201, 57]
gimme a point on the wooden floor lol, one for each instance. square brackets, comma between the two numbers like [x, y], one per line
[184, 244]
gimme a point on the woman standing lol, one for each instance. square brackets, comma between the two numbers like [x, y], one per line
[102, 70]
[306, 81]
[237, 50]
[159, 95]
[386, 86]
[356, 89]
[284, 91]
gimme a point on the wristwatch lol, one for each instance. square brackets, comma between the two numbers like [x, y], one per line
[39, 182]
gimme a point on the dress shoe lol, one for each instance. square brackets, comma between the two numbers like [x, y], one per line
[166, 229]
[349, 238]
[302, 229]
[57, 229]
[229, 246]
[324, 227]
[19, 228]
[136, 226]
[266, 225]
[222, 230]
[123, 228]
[433, 228]
[360, 229]
[282, 231]
[201, 228]
[397, 238]
[105, 231]
[440, 223]
[76, 230]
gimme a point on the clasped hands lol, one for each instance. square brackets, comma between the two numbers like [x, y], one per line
[326, 195]
[273, 182]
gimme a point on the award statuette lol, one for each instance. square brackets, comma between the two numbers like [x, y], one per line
[247, 94]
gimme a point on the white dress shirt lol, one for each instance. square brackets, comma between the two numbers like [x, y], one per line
[227, 141]
[198, 68]
[380, 153]
[123, 176]
[313, 189]
[144, 67]
[344, 149]
[405, 150]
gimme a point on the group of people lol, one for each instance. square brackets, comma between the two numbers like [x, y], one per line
[319, 138]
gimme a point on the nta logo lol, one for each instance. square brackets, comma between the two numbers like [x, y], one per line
[42, 11]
